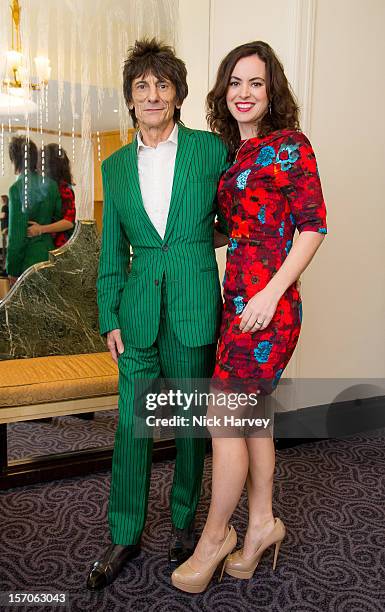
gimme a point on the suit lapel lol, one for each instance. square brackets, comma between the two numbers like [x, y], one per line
[134, 187]
[182, 165]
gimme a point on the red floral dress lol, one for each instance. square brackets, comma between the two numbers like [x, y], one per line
[272, 189]
[68, 211]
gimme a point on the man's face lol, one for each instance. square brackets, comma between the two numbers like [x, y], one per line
[154, 101]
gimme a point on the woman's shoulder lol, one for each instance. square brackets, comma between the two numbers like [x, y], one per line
[288, 135]
[296, 139]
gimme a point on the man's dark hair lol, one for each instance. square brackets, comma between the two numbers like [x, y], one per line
[16, 154]
[152, 56]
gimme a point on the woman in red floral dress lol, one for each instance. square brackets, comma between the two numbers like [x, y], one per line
[58, 168]
[271, 189]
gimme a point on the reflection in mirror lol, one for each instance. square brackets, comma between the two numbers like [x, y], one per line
[59, 160]
[40, 203]
[61, 105]
[4, 216]
[66, 89]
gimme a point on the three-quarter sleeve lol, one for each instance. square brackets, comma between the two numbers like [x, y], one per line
[302, 185]
[68, 202]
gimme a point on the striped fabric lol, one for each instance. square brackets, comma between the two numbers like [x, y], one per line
[185, 257]
[131, 466]
[43, 206]
[168, 309]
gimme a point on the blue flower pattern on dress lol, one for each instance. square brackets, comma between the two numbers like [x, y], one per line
[262, 214]
[288, 246]
[239, 305]
[232, 246]
[262, 248]
[322, 230]
[262, 352]
[266, 157]
[293, 156]
[242, 179]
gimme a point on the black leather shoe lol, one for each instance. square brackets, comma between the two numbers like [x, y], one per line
[182, 544]
[105, 571]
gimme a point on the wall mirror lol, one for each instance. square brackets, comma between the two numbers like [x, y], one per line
[61, 88]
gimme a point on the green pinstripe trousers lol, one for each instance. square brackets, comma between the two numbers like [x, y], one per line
[132, 458]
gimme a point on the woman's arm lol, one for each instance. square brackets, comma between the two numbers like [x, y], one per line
[300, 185]
[35, 229]
[264, 304]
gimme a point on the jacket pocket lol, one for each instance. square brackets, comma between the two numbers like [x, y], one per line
[209, 269]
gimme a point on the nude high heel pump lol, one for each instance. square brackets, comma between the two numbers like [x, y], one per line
[239, 567]
[187, 579]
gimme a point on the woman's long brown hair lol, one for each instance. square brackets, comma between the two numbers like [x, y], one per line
[283, 112]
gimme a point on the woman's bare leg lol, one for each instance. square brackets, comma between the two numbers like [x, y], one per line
[260, 492]
[230, 468]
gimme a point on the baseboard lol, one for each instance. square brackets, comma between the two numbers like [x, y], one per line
[336, 420]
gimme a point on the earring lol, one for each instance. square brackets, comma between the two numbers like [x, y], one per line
[269, 108]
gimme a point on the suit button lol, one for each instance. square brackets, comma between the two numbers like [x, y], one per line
[156, 282]
[165, 248]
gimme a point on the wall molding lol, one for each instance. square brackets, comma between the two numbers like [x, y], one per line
[211, 68]
[302, 35]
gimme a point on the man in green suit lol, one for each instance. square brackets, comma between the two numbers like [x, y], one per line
[161, 318]
[31, 198]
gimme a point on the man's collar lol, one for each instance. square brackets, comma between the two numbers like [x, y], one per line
[172, 138]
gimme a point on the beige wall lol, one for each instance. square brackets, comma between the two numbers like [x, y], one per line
[344, 291]
[193, 46]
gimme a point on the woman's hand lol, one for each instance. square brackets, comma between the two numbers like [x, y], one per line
[34, 229]
[259, 311]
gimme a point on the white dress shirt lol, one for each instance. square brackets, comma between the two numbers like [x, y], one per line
[156, 175]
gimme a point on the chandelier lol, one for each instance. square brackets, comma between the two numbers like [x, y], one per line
[17, 85]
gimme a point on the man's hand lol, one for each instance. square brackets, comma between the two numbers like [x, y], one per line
[34, 229]
[115, 344]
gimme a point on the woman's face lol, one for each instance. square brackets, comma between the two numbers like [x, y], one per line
[246, 94]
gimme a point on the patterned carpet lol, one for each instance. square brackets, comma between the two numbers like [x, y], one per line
[330, 494]
[61, 435]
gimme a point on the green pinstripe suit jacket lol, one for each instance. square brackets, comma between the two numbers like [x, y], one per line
[184, 259]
